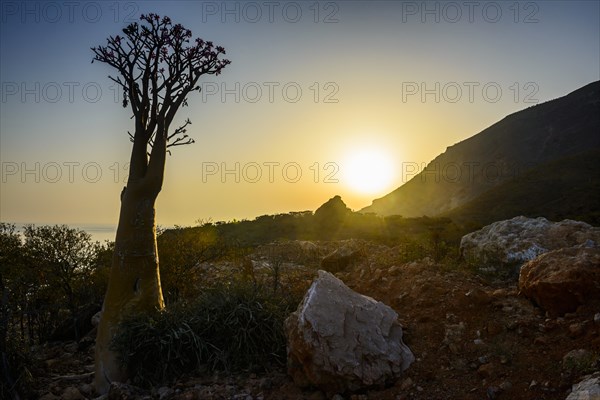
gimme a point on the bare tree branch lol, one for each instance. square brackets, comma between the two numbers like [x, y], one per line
[157, 69]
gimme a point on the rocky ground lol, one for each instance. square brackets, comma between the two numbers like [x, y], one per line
[473, 338]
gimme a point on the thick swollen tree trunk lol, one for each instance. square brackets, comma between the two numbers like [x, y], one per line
[134, 282]
[158, 68]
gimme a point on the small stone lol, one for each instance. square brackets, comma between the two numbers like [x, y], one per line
[550, 325]
[377, 274]
[52, 362]
[478, 342]
[478, 297]
[419, 389]
[540, 340]
[394, 269]
[337, 397]
[485, 370]
[406, 384]
[492, 392]
[506, 386]
[533, 384]
[164, 392]
[483, 360]
[503, 360]
[72, 393]
[451, 317]
[119, 390]
[576, 330]
[86, 389]
[597, 318]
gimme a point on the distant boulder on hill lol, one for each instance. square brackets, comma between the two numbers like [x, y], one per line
[330, 216]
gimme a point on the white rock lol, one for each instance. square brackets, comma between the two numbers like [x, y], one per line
[521, 239]
[339, 340]
[587, 389]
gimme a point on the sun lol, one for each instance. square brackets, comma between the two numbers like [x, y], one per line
[368, 170]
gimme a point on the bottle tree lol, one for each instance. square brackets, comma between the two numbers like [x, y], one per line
[158, 66]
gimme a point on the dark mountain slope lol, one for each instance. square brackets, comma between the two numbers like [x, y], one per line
[564, 188]
[540, 134]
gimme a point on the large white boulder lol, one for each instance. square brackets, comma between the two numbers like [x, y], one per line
[587, 389]
[342, 341]
[518, 240]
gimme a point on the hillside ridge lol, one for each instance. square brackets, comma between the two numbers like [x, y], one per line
[517, 143]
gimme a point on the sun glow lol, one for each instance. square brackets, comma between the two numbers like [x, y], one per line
[368, 170]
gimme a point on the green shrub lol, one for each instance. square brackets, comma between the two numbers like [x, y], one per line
[582, 364]
[229, 328]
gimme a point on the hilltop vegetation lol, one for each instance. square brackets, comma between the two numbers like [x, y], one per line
[334, 221]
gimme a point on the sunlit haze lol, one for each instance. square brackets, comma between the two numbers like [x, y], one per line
[321, 99]
[369, 171]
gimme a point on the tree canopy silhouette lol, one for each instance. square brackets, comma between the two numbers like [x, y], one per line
[158, 66]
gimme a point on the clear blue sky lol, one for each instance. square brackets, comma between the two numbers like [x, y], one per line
[311, 86]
